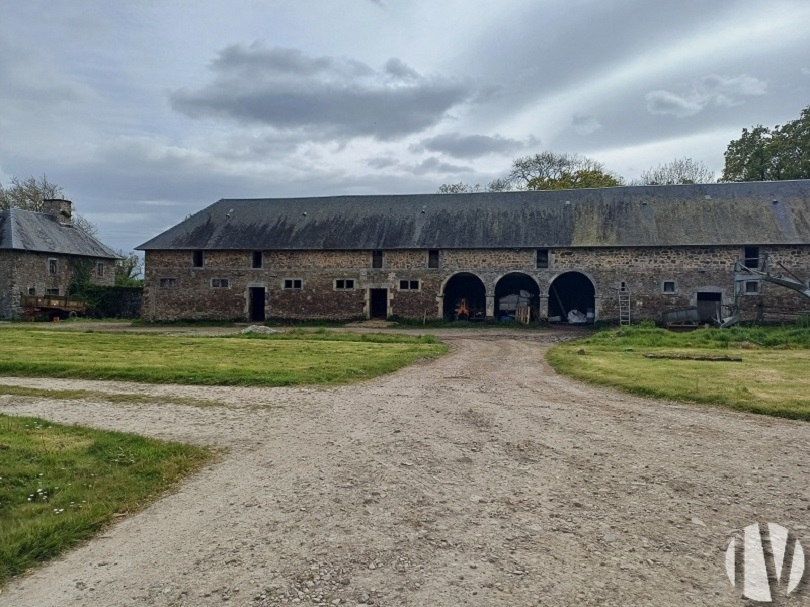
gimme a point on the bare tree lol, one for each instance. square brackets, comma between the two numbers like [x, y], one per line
[30, 194]
[678, 171]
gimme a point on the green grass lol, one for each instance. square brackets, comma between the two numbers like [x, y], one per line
[279, 359]
[108, 397]
[60, 484]
[772, 379]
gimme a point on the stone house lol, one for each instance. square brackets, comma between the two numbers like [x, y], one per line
[419, 256]
[39, 252]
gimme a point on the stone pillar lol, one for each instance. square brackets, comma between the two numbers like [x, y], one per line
[490, 306]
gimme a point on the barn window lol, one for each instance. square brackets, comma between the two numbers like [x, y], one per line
[433, 258]
[197, 259]
[32, 290]
[344, 284]
[751, 287]
[542, 258]
[100, 269]
[53, 266]
[293, 284]
[751, 255]
[376, 259]
[408, 285]
[668, 286]
[220, 283]
[51, 291]
[256, 261]
[168, 283]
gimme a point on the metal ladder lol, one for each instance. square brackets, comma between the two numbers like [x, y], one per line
[624, 304]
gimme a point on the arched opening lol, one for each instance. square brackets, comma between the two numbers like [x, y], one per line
[569, 292]
[515, 292]
[465, 297]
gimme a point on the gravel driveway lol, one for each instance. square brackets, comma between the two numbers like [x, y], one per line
[481, 478]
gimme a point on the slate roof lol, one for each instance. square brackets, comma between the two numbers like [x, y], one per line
[32, 231]
[705, 214]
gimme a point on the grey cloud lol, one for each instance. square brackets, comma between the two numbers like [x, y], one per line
[806, 71]
[722, 91]
[326, 97]
[383, 162]
[664, 102]
[585, 124]
[471, 146]
[434, 165]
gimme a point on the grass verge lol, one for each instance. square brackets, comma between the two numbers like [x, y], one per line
[279, 359]
[772, 378]
[61, 484]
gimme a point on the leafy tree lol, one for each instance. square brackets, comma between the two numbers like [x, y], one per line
[678, 171]
[31, 193]
[535, 172]
[128, 269]
[763, 154]
[546, 171]
[581, 178]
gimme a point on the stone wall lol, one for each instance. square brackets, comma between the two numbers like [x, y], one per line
[22, 271]
[188, 292]
[6, 282]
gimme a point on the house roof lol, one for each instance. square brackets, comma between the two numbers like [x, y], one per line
[776, 212]
[22, 230]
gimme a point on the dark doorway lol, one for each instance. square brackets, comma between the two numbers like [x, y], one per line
[516, 290]
[708, 305]
[571, 291]
[465, 298]
[378, 300]
[257, 303]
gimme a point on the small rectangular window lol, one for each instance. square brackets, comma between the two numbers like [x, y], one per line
[197, 259]
[53, 266]
[32, 290]
[168, 283]
[751, 287]
[668, 286]
[220, 283]
[433, 258]
[293, 284]
[100, 269]
[408, 285]
[751, 257]
[542, 258]
[51, 291]
[256, 262]
[376, 259]
[344, 284]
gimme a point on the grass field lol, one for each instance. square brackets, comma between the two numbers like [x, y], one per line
[279, 359]
[61, 484]
[773, 377]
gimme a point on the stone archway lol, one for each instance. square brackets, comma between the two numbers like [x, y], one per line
[468, 287]
[512, 289]
[571, 291]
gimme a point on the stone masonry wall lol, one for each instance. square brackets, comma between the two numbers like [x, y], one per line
[25, 271]
[6, 281]
[188, 292]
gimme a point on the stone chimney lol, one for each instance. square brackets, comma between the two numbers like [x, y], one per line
[59, 208]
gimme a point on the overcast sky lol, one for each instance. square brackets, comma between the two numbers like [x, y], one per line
[147, 111]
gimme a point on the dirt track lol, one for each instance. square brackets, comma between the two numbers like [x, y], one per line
[482, 478]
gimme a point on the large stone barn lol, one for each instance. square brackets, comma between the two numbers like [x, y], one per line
[603, 253]
[40, 251]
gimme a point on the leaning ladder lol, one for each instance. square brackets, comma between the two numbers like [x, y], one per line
[624, 304]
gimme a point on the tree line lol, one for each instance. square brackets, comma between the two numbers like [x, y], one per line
[760, 154]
